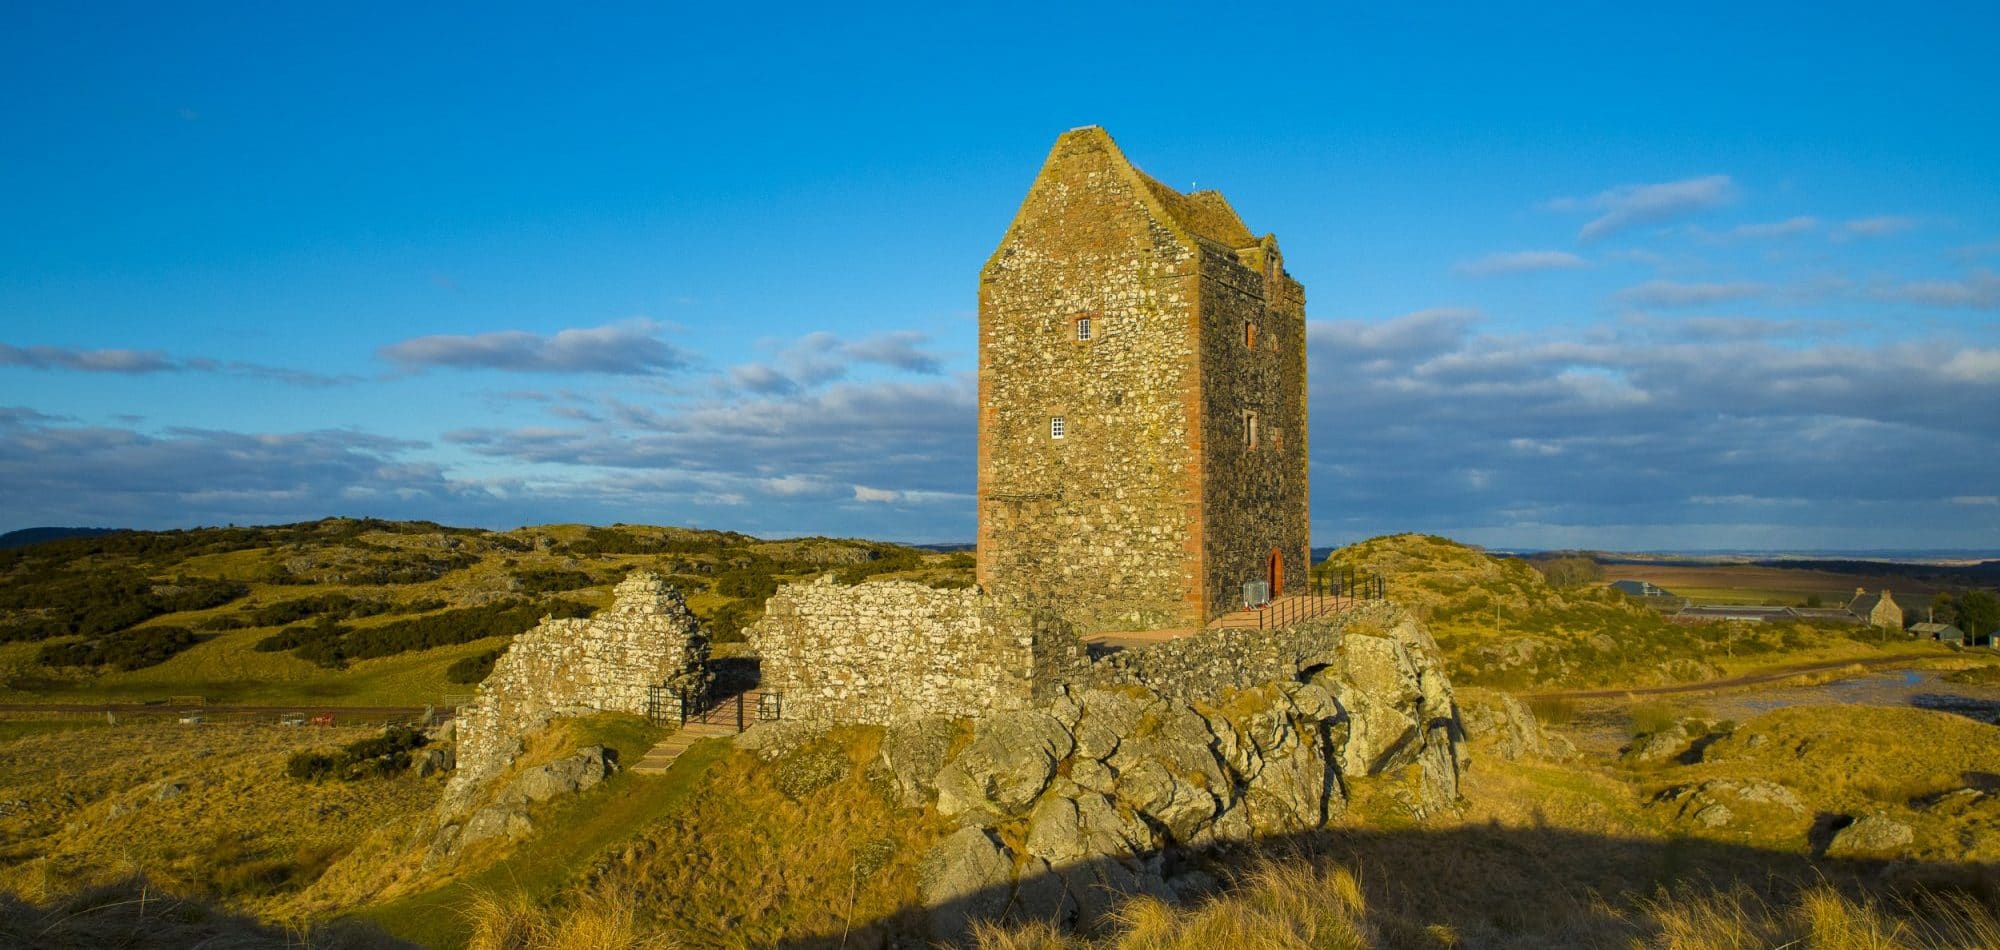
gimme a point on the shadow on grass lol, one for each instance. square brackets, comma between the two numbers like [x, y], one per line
[1474, 886]
[133, 914]
[584, 829]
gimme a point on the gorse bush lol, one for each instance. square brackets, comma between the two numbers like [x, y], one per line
[56, 603]
[337, 606]
[333, 645]
[131, 649]
[473, 669]
[550, 582]
[386, 754]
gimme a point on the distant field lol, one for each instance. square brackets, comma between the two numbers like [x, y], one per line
[1754, 584]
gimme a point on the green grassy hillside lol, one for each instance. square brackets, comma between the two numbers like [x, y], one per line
[363, 612]
[1501, 623]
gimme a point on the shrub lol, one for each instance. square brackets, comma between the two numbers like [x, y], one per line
[336, 606]
[473, 669]
[126, 650]
[96, 602]
[549, 582]
[1570, 571]
[331, 645]
[747, 584]
[385, 754]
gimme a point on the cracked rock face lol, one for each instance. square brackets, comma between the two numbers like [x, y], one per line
[1099, 788]
[1009, 763]
[1736, 805]
[1870, 836]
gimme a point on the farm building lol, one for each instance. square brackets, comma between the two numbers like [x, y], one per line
[1878, 610]
[1640, 589]
[1713, 613]
[1941, 632]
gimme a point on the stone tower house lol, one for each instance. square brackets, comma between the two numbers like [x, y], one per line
[1142, 400]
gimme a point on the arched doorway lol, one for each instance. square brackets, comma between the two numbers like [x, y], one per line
[1276, 572]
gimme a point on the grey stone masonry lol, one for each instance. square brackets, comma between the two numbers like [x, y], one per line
[885, 652]
[606, 663]
[1209, 665]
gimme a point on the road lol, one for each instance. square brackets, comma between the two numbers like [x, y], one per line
[222, 709]
[1733, 682]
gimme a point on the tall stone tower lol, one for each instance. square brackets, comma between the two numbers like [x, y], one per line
[1142, 400]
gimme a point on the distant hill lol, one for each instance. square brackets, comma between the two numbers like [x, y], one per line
[27, 536]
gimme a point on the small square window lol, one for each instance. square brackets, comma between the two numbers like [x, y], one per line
[1055, 427]
[1083, 328]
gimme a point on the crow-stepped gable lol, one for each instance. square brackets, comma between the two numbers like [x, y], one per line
[1142, 419]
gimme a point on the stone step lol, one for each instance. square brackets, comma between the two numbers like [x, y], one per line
[661, 756]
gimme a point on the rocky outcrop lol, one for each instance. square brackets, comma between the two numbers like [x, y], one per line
[1870, 836]
[1068, 808]
[1506, 726]
[1741, 806]
[507, 815]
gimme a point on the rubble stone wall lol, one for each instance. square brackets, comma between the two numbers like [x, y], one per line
[606, 663]
[885, 652]
[1209, 665]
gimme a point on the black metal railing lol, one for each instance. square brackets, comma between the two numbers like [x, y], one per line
[1327, 591]
[741, 709]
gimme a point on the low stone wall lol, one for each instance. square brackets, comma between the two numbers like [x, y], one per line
[1206, 666]
[577, 667]
[881, 653]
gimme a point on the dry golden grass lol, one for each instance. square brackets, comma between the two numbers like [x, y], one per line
[783, 854]
[1293, 904]
[133, 914]
[238, 830]
[513, 922]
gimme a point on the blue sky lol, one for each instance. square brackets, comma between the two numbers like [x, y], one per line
[1720, 277]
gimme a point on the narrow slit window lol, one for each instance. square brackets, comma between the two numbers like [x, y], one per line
[1249, 429]
[1249, 334]
[1055, 427]
[1083, 328]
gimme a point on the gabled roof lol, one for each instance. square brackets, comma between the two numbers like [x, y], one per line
[1864, 604]
[1934, 629]
[1204, 214]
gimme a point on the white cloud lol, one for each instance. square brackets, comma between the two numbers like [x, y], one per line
[1667, 293]
[140, 362]
[1976, 500]
[1878, 226]
[1776, 229]
[866, 495]
[1973, 366]
[630, 347]
[1516, 262]
[819, 358]
[1630, 205]
[1980, 290]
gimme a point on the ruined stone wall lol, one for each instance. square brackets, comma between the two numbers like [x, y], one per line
[1105, 519]
[881, 653]
[1253, 361]
[577, 667]
[1209, 665]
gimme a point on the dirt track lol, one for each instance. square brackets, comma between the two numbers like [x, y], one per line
[1748, 679]
[218, 709]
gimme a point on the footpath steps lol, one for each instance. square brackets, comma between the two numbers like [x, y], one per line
[726, 717]
[662, 755]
